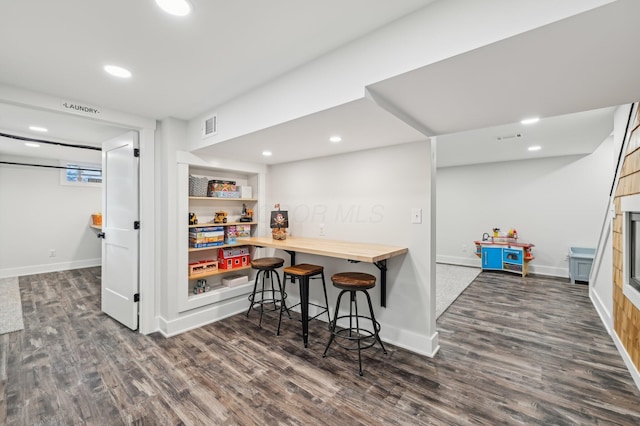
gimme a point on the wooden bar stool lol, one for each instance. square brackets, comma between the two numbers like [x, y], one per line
[354, 338]
[304, 272]
[267, 268]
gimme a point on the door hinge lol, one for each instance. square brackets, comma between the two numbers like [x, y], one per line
[136, 152]
[136, 224]
[136, 297]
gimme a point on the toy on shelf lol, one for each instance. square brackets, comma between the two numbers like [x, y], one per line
[201, 287]
[193, 219]
[279, 223]
[220, 217]
[247, 214]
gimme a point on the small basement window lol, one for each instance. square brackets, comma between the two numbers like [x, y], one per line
[634, 250]
[77, 173]
[630, 207]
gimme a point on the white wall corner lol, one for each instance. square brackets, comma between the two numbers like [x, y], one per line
[411, 341]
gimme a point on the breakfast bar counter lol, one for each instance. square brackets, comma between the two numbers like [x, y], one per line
[351, 251]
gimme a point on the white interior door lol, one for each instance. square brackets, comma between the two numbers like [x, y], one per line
[120, 231]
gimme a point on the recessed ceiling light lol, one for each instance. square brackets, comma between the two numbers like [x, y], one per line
[266, 153]
[335, 139]
[38, 129]
[32, 144]
[530, 120]
[117, 71]
[175, 7]
[535, 148]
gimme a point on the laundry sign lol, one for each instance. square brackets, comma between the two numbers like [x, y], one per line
[79, 108]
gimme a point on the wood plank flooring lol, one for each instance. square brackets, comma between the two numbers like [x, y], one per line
[513, 351]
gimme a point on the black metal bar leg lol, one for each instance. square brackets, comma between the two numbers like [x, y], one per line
[252, 296]
[304, 308]
[264, 278]
[283, 304]
[376, 324]
[273, 290]
[358, 334]
[292, 261]
[326, 299]
[333, 324]
[382, 266]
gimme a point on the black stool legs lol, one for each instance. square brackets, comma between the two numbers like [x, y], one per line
[267, 274]
[304, 273]
[346, 337]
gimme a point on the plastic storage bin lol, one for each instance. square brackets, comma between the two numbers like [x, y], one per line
[580, 261]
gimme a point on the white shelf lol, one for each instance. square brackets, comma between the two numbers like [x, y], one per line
[222, 199]
[202, 225]
[191, 249]
[217, 272]
[216, 295]
[220, 301]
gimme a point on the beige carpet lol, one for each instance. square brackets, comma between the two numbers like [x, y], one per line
[10, 306]
[451, 281]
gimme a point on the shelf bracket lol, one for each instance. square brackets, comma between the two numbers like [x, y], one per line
[382, 266]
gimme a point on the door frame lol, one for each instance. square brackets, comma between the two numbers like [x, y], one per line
[146, 129]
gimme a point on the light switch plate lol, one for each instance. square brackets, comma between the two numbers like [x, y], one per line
[416, 215]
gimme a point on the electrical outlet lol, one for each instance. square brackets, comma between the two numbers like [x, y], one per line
[566, 257]
[52, 252]
[464, 248]
[322, 229]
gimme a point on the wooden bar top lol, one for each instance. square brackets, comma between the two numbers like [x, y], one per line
[363, 252]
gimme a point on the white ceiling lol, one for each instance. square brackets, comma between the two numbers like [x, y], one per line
[572, 74]
[183, 67]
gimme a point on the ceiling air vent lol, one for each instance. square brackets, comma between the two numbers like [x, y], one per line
[507, 137]
[210, 126]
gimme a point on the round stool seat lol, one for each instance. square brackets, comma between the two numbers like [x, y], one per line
[353, 281]
[265, 263]
[303, 269]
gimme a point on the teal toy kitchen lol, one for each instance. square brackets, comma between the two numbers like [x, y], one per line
[501, 251]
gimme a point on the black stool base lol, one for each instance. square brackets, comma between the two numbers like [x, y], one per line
[304, 302]
[354, 338]
[276, 297]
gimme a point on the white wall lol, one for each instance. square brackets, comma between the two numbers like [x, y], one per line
[170, 137]
[37, 214]
[554, 203]
[367, 197]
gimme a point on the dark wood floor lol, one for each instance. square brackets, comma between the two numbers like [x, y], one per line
[513, 351]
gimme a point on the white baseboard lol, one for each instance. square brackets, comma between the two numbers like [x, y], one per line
[202, 317]
[477, 263]
[49, 267]
[461, 261]
[635, 375]
[605, 315]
